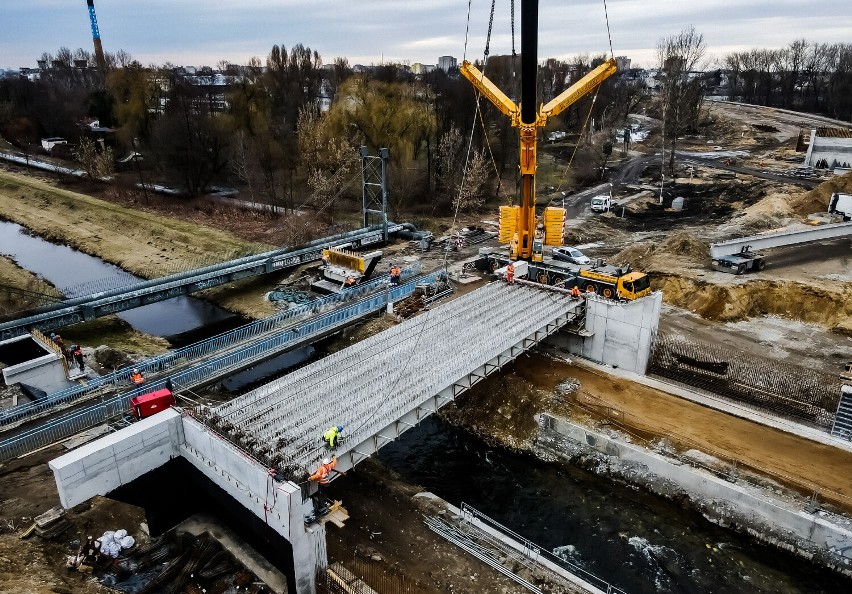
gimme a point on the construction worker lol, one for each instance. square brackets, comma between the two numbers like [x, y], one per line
[510, 273]
[136, 377]
[332, 436]
[77, 353]
[323, 473]
[349, 282]
[575, 292]
[57, 340]
[395, 273]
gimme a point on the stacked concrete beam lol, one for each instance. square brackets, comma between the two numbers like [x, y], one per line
[378, 381]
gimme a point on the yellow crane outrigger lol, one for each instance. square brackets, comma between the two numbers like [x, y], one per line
[526, 241]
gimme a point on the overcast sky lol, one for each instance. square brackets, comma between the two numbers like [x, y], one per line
[203, 32]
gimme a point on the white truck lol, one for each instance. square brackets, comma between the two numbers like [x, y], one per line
[601, 203]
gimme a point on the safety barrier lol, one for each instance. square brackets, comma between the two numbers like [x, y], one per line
[195, 351]
[117, 405]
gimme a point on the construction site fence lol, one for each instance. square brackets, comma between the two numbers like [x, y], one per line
[798, 393]
[362, 575]
[197, 351]
[118, 405]
[534, 552]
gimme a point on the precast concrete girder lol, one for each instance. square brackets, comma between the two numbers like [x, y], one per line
[384, 385]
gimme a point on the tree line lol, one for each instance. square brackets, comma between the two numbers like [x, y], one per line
[805, 76]
[270, 138]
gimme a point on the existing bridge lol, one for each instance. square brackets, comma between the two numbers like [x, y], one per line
[377, 389]
[74, 311]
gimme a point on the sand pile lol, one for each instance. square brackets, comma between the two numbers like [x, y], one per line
[771, 212]
[680, 249]
[816, 200]
[828, 306]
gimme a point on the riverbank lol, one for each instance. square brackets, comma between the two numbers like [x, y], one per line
[543, 383]
[147, 244]
[14, 276]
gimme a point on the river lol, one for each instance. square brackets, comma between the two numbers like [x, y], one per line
[635, 540]
[181, 319]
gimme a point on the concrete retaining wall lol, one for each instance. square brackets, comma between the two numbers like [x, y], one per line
[830, 149]
[729, 503]
[45, 372]
[279, 504]
[621, 332]
[109, 462]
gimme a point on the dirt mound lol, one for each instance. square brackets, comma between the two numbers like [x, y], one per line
[828, 307]
[816, 200]
[771, 212]
[682, 248]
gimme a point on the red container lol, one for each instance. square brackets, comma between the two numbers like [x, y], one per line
[151, 403]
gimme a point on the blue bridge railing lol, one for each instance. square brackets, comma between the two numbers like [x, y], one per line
[114, 405]
[194, 352]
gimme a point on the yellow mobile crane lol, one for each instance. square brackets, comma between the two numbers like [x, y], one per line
[519, 223]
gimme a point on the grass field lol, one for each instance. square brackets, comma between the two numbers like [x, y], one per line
[143, 243]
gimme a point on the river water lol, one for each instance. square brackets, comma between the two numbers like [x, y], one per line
[635, 540]
[179, 319]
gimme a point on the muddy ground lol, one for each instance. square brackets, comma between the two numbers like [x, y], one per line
[385, 526]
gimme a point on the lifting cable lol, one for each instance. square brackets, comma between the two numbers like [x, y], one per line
[425, 318]
[576, 146]
[591, 107]
[609, 36]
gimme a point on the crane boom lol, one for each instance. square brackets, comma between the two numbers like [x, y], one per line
[96, 37]
[578, 90]
[489, 90]
[527, 243]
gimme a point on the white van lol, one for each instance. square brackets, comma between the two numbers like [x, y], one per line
[601, 203]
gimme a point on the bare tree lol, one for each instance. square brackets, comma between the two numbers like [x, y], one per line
[682, 92]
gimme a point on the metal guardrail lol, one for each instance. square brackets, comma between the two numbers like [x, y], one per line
[77, 310]
[97, 413]
[533, 551]
[195, 351]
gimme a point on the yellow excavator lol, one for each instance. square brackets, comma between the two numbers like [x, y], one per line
[519, 224]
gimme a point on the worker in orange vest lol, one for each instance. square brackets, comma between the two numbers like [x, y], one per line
[575, 292]
[510, 273]
[323, 473]
[136, 377]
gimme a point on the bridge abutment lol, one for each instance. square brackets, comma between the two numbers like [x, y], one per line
[104, 465]
[619, 334]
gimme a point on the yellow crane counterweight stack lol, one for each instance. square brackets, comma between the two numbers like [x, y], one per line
[554, 225]
[508, 223]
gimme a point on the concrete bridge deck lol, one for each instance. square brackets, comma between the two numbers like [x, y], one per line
[377, 388]
[383, 385]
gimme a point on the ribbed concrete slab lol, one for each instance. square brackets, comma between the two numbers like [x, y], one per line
[381, 386]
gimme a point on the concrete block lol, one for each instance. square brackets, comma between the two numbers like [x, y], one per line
[103, 465]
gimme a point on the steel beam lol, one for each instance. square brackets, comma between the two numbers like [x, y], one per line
[779, 239]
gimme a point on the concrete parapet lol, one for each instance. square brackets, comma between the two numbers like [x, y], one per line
[117, 459]
[722, 501]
